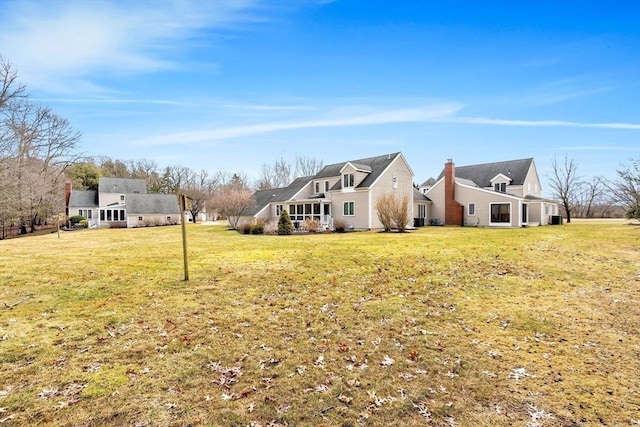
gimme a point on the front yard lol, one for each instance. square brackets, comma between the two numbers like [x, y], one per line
[439, 326]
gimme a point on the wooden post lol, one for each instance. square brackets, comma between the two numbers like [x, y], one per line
[182, 202]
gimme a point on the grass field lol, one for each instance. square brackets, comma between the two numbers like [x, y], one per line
[440, 326]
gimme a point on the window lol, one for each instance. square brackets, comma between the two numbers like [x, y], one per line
[326, 186]
[394, 180]
[501, 212]
[349, 208]
[109, 215]
[122, 215]
[422, 211]
[500, 187]
[471, 210]
[348, 180]
[101, 215]
[317, 187]
[122, 197]
[139, 218]
[279, 209]
[88, 214]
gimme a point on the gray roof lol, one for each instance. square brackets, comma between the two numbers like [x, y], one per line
[482, 174]
[148, 204]
[377, 165]
[282, 194]
[122, 185]
[83, 199]
[419, 197]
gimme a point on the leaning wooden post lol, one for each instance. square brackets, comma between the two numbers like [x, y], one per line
[183, 202]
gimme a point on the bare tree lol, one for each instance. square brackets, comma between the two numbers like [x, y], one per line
[281, 172]
[564, 183]
[113, 168]
[307, 166]
[626, 190]
[274, 175]
[393, 209]
[384, 208]
[174, 178]
[199, 188]
[590, 196]
[147, 170]
[233, 199]
[10, 88]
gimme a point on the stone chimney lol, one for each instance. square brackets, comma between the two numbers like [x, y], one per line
[452, 209]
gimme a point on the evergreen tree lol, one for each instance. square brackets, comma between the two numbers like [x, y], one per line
[285, 226]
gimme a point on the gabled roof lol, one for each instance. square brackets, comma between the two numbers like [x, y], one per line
[419, 196]
[83, 199]
[122, 185]
[482, 174]
[148, 204]
[376, 165]
[282, 194]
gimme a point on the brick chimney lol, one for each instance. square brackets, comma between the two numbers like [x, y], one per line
[67, 195]
[452, 209]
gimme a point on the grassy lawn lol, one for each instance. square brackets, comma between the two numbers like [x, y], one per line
[440, 326]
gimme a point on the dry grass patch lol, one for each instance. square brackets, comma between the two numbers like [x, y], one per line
[442, 326]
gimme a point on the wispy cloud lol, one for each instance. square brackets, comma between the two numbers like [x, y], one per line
[538, 123]
[606, 148]
[374, 118]
[357, 116]
[59, 48]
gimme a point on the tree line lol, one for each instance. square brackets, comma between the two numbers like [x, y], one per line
[38, 154]
[597, 196]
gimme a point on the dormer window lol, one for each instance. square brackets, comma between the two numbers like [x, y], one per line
[500, 182]
[326, 186]
[317, 187]
[348, 180]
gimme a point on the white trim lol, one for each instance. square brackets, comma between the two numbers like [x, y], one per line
[500, 178]
[501, 224]
[354, 208]
[469, 209]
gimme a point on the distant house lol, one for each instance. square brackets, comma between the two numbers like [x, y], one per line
[503, 194]
[345, 191]
[122, 202]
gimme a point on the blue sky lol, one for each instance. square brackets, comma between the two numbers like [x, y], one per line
[231, 84]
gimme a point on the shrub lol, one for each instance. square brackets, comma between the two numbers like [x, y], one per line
[633, 212]
[270, 228]
[285, 226]
[311, 225]
[245, 228]
[393, 208]
[400, 213]
[257, 229]
[384, 207]
[84, 223]
[76, 219]
[339, 225]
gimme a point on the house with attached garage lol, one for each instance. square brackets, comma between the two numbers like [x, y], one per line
[345, 191]
[499, 194]
[122, 203]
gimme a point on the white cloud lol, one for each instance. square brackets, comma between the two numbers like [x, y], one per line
[334, 118]
[57, 48]
[539, 123]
